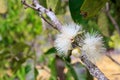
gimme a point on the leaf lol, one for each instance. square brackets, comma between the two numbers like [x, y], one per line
[27, 68]
[36, 73]
[42, 58]
[60, 8]
[51, 50]
[21, 73]
[75, 6]
[91, 7]
[103, 24]
[52, 66]
[72, 71]
[43, 3]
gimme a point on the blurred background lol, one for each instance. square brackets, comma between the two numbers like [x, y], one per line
[26, 40]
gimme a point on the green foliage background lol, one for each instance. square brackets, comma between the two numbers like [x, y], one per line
[21, 28]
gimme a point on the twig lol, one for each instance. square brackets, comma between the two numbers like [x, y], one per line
[116, 74]
[46, 20]
[109, 56]
[42, 10]
[112, 19]
[28, 5]
[93, 69]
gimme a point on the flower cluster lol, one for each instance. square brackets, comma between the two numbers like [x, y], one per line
[90, 44]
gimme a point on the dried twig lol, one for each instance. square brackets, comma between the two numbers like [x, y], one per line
[41, 10]
[109, 56]
[112, 19]
[91, 67]
[46, 20]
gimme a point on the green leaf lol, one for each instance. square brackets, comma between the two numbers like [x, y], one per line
[27, 68]
[43, 3]
[72, 71]
[75, 6]
[51, 50]
[103, 24]
[60, 8]
[52, 66]
[42, 58]
[35, 72]
[91, 7]
[51, 4]
[21, 73]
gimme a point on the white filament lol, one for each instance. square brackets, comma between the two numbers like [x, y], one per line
[64, 39]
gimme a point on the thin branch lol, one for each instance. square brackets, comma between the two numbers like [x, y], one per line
[41, 10]
[109, 56]
[112, 19]
[47, 21]
[28, 5]
[93, 69]
[116, 74]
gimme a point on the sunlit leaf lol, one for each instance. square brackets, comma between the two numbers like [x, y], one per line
[21, 73]
[103, 24]
[91, 7]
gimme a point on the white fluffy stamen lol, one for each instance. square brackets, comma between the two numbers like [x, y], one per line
[64, 39]
[93, 46]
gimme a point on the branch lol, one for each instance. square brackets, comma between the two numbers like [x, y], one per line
[93, 69]
[112, 19]
[41, 10]
[46, 20]
[109, 56]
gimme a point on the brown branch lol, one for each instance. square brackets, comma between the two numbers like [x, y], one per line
[41, 10]
[28, 5]
[47, 21]
[93, 69]
[116, 74]
[109, 56]
[112, 19]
